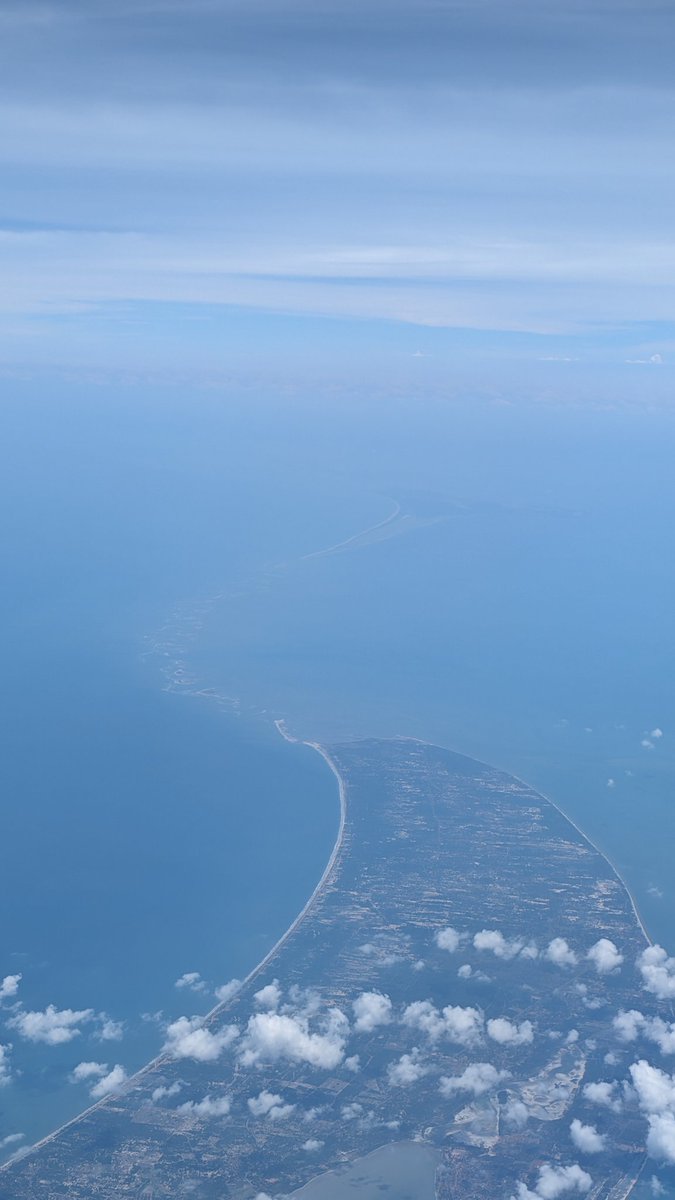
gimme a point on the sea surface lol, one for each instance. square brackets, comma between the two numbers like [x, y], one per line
[175, 580]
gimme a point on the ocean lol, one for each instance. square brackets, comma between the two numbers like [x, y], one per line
[164, 603]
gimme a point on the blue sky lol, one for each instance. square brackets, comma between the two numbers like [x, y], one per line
[198, 184]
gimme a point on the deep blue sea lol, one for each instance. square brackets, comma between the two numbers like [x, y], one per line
[159, 611]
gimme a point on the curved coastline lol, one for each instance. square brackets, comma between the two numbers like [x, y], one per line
[603, 853]
[222, 1006]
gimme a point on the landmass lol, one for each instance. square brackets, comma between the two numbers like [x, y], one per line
[457, 980]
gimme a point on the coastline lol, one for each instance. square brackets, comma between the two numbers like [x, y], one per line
[222, 1006]
[219, 1008]
[603, 853]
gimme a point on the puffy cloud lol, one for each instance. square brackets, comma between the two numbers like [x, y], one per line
[370, 1010]
[271, 1036]
[656, 1186]
[312, 1145]
[604, 1094]
[656, 733]
[424, 1015]
[655, 1089]
[109, 1084]
[586, 1137]
[210, 1106]
[351, 1112]
[628, 1025]
[633, 1024]
[554, 1182]
[191, 980]
[268, 1104]
[464, 1026]
[407, 1070]
[270, 996]
[515, 1114]
[507, 1033]
[658, 972]
[661, 1137]
[477, 1078]
[188, 1038]
[605, 956]
[11, 1139]
[467, 972]
[85, 1071]
[110, 1030]
[531, 950]
[9, 986]
[162, 1092]
[493, 940]
[560, 953]
[5, 1072]
[227, 990]
[353, 1063]
[53, 1026]
[448, 939]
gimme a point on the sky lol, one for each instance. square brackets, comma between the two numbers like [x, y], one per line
[262, 185]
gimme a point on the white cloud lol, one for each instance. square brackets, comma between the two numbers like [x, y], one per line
[656, 1186]
[5, 1072]
[162, 1092]
[493, 940]
[227, 990]
[312, 1145]
[9, 986]
[353, 1063]
[586, 1137]
[656, 733]
[467, 972]
[654, 1088]
[110, 1030]
[515, 1114]
[530, 950]
[407, 1070]
[464, 1026]
[661, 1137]
[507, 1033]
[605, 956]
[448, 939]
[85, 1071]
[191, 980]
[477, 1078]
[559, 952]
[555, 1181]
[270, 996]
[658, 972]
[604, 1094]
[351, 1112]
[647, 744]
[187, 1038]
[210, 1106]
[370, 1010]
[11, 1139]
[268, 1104]
[271, 1036]
[109, 1084]
[53, 1026]
[629, 1024]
